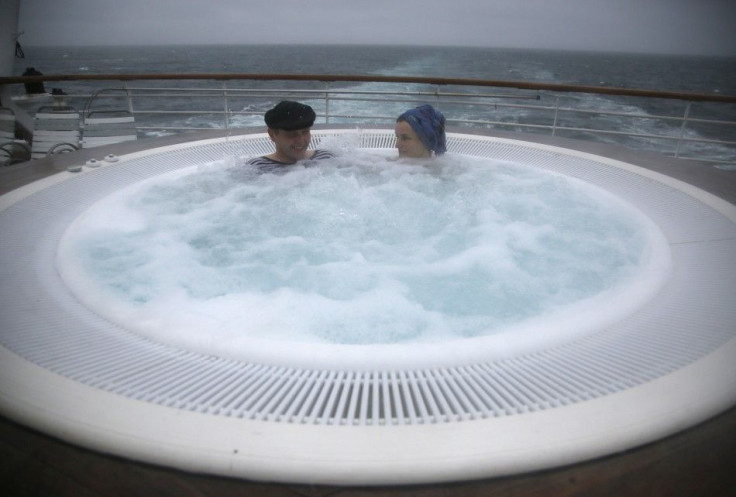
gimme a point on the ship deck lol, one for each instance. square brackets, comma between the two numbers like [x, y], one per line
[697, 461]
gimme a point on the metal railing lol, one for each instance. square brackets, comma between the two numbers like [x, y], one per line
[666, 122]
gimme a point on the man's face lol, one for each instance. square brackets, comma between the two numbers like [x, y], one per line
[291, 146]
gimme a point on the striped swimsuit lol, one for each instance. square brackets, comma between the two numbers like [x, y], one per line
[266, 165]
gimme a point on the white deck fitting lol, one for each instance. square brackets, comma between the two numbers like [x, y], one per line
[107, 127]
[667, 366]
[52, 128]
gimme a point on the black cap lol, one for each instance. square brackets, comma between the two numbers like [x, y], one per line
[288, 115]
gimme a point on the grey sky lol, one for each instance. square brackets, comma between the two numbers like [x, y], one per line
[653, 26]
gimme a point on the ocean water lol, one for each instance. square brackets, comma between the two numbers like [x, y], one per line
[676, 73]
[656, 72]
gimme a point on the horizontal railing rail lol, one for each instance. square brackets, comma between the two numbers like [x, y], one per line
[516, 105]
[521, 85]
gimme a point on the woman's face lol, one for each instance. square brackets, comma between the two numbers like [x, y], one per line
[408, 143]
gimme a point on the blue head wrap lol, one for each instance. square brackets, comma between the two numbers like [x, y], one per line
[429, 125]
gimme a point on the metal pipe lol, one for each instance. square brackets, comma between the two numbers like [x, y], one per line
[225, 103]
[557, 110]
[327, 102]
[682, 129]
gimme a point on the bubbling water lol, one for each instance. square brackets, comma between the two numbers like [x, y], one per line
[353, 250]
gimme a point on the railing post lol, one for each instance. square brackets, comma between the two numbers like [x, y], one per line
[129, 97]
[682, 129]
[225, 103]
[327, 102]
[557, 109]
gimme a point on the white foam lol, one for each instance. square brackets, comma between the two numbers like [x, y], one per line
[362, 253]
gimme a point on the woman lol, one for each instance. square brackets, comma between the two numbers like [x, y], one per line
[420, 133]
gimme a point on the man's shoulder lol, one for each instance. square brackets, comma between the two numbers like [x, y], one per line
[265, 164]
[321, 154]
[262, 161]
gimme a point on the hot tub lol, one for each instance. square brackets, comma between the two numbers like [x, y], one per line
[662, 365]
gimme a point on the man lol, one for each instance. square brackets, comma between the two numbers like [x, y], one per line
[288, 127]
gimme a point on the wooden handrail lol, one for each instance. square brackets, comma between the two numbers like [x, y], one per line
[522, 85]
